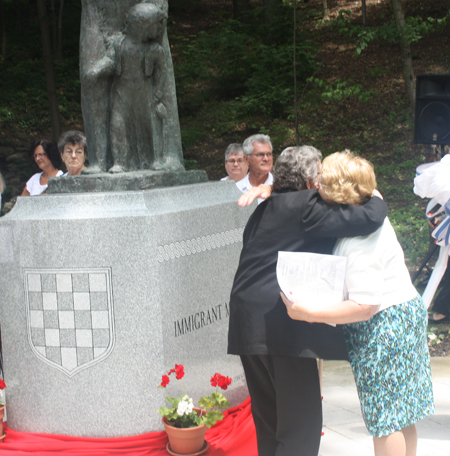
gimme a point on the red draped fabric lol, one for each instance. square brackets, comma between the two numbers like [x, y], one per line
[233, 436]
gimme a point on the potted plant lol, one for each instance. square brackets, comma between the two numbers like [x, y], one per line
[185, 424]
[2, 409]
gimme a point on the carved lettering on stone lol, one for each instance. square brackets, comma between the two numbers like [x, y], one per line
[201, 319]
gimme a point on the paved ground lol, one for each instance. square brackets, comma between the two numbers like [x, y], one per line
[344, 430]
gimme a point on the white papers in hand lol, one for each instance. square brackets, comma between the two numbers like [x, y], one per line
[312, 277]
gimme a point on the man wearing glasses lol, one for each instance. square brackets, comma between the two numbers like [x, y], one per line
[258, 155]
[235, 164]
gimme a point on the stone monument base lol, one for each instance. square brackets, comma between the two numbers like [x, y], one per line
[103, 293]
[136, 180]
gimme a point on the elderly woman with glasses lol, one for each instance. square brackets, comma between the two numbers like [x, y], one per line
[278, 353]
[73, 149]
[46, 155]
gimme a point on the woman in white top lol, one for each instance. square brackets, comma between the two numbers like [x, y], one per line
[385, 319]
[73, 149]
[47, 157]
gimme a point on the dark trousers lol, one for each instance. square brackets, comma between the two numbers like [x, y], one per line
[442, 302]
[286, 404]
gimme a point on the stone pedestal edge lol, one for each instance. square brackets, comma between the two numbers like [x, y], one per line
[139, 180]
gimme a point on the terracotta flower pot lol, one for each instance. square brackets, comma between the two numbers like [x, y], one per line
[2, 415]
[186, 440]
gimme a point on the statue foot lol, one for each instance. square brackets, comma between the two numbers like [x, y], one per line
[157, 166]
[168, 165]
[95, 169]
[175, 166]
[116, 169]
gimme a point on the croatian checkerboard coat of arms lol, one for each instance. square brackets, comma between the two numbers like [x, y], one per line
[70, 316]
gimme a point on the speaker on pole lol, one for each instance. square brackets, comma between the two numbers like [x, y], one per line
[432, 115]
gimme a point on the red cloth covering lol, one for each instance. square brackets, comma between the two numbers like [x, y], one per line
[233, 436]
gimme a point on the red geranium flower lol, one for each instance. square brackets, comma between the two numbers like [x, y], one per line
[221, 381]
[179, 371]
[2, 384]
[225, 382]
[165, 381]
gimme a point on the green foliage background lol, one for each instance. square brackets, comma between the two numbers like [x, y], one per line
[235, 78]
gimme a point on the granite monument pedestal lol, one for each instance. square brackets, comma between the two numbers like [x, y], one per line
[103, 293]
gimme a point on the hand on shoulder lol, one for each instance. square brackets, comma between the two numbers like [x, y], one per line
[262, 191]
[377, 193]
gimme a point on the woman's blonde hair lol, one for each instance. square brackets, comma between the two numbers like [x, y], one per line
[2, 184]
[347, 179]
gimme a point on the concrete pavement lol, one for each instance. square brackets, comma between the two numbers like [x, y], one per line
[344, 431]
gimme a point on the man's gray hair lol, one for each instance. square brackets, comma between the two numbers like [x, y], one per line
[72, 137]
[294, 167]
[248, 143]
[233, 148]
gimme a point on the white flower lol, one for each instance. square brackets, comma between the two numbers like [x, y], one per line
[185, 406]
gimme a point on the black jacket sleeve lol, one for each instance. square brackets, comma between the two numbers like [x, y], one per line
[321, 219]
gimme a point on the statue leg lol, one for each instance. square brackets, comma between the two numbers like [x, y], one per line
[158, 140]
[120, 145]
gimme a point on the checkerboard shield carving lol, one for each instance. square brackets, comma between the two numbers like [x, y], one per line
[70, 316]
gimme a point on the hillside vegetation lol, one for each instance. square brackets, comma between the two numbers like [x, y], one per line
[236, 77]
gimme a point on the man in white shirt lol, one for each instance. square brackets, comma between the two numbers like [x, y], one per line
[258, 155]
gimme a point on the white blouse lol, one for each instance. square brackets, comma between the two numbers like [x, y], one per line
[34, 186]
[376, 271]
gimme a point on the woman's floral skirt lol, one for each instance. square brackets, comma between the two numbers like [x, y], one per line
[391, 365]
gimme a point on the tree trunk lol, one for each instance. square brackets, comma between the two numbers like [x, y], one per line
[405, 49]
[3, 27]
[60, 18]
[54, 28]
[326, 11]
[19, 16]
[364, 13]
[49, 70]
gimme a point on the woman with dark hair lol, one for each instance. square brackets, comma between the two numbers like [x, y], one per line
[47, 157]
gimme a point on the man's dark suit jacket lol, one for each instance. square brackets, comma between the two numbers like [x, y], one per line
[294, 222]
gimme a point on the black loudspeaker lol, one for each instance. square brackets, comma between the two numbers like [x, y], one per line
[432, 119]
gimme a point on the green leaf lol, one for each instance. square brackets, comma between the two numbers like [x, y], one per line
[211, 418]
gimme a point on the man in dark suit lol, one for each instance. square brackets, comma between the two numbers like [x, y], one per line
[279, 354]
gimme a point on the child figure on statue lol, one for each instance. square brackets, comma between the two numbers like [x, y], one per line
[137, 108]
